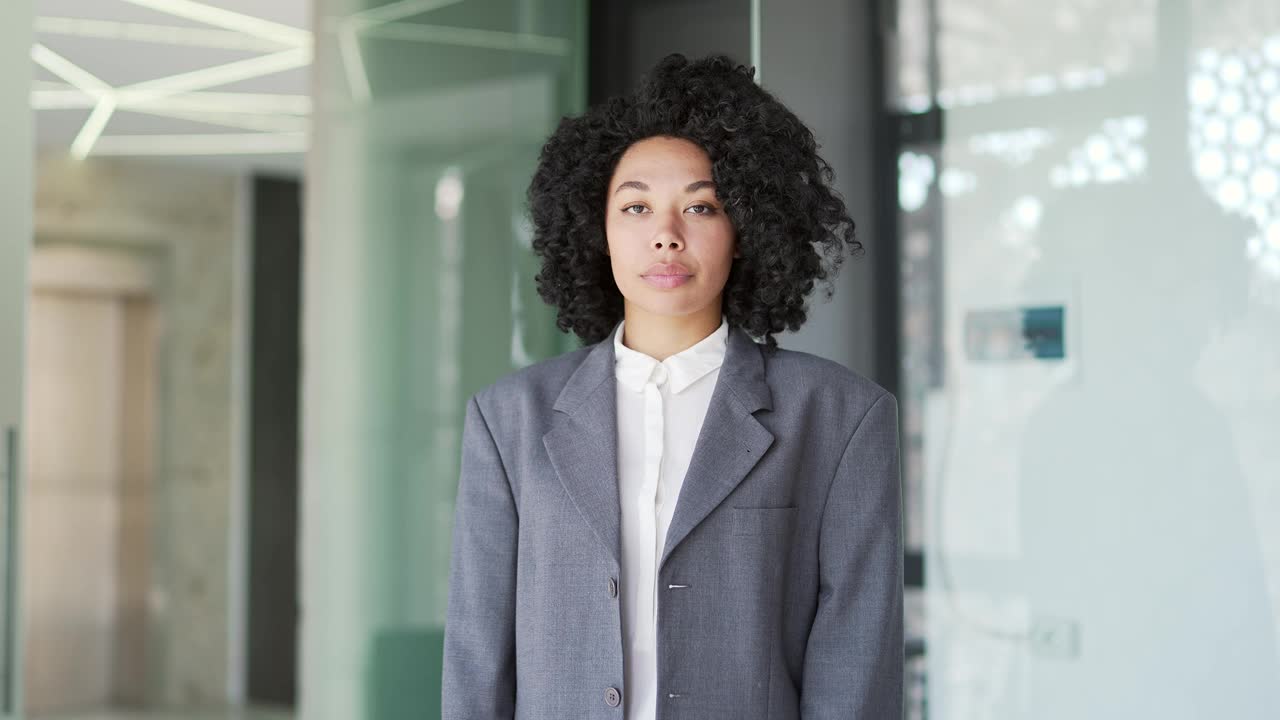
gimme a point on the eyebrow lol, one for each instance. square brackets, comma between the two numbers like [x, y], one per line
[691, 187]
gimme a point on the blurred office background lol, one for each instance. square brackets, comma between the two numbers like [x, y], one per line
[254, 256]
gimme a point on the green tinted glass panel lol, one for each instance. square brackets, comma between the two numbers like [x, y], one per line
[418, 291]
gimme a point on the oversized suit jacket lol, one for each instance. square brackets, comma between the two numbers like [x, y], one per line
[780, 582]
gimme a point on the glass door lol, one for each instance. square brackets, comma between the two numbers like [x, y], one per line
[1091, 325]
[16, 147]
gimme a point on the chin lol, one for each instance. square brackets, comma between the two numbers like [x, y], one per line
[670, 306]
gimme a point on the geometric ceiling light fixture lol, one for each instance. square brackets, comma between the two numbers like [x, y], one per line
[50, 95]
[152, 33]
[279, 118]
[228, 20]
[208, 77]
[206, 144]
[102, 94]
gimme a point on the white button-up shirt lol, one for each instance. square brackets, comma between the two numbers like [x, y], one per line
[661, 406]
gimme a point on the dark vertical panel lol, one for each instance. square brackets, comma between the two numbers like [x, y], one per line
[273, 443]
[607, 49]
[628, 36]
[816, 58]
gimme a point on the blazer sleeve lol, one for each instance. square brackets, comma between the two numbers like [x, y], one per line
[853, 663]
[479, 680]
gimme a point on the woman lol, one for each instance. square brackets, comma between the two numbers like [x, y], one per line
[676, 521]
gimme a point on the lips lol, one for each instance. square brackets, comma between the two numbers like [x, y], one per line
[667, 270]
[667, 275]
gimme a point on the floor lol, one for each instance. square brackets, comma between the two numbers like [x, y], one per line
[254, 714]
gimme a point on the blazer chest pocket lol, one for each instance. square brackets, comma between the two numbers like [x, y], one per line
[762, 520]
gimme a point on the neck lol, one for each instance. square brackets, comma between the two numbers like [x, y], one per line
[661, 336]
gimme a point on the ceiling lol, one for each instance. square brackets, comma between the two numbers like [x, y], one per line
[218, 81]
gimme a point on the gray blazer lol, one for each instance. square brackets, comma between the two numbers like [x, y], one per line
[780, 583]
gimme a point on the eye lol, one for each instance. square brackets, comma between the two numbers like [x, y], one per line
[706, 209]
[628, 208]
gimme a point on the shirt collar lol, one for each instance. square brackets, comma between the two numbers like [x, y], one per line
[634, 368]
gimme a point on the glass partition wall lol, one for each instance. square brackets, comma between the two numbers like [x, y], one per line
[418, 291]
[1089, 220]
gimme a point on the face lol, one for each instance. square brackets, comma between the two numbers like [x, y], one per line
[670, 242]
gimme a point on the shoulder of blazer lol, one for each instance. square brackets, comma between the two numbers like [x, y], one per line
[798, 371]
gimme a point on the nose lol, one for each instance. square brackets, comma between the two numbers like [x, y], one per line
[668, 236]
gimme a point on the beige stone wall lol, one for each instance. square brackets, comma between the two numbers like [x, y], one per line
[186, 220]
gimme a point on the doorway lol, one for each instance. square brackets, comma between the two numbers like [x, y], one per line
[91, 419]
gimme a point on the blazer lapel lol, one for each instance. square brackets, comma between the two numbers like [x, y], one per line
[583, 441]
[583, 444]
[731, 440]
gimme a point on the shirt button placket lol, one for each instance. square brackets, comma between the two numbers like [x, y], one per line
[659, 378]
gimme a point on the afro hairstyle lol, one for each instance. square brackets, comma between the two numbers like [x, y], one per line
[790, 224]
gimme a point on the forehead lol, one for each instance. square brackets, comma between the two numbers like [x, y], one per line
[663, 158]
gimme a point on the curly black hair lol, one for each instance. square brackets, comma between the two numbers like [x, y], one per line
[775, 188]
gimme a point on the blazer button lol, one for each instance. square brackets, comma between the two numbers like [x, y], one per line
[612, 697]
[613, 588]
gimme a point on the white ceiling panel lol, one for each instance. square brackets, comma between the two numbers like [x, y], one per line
[112, 10]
